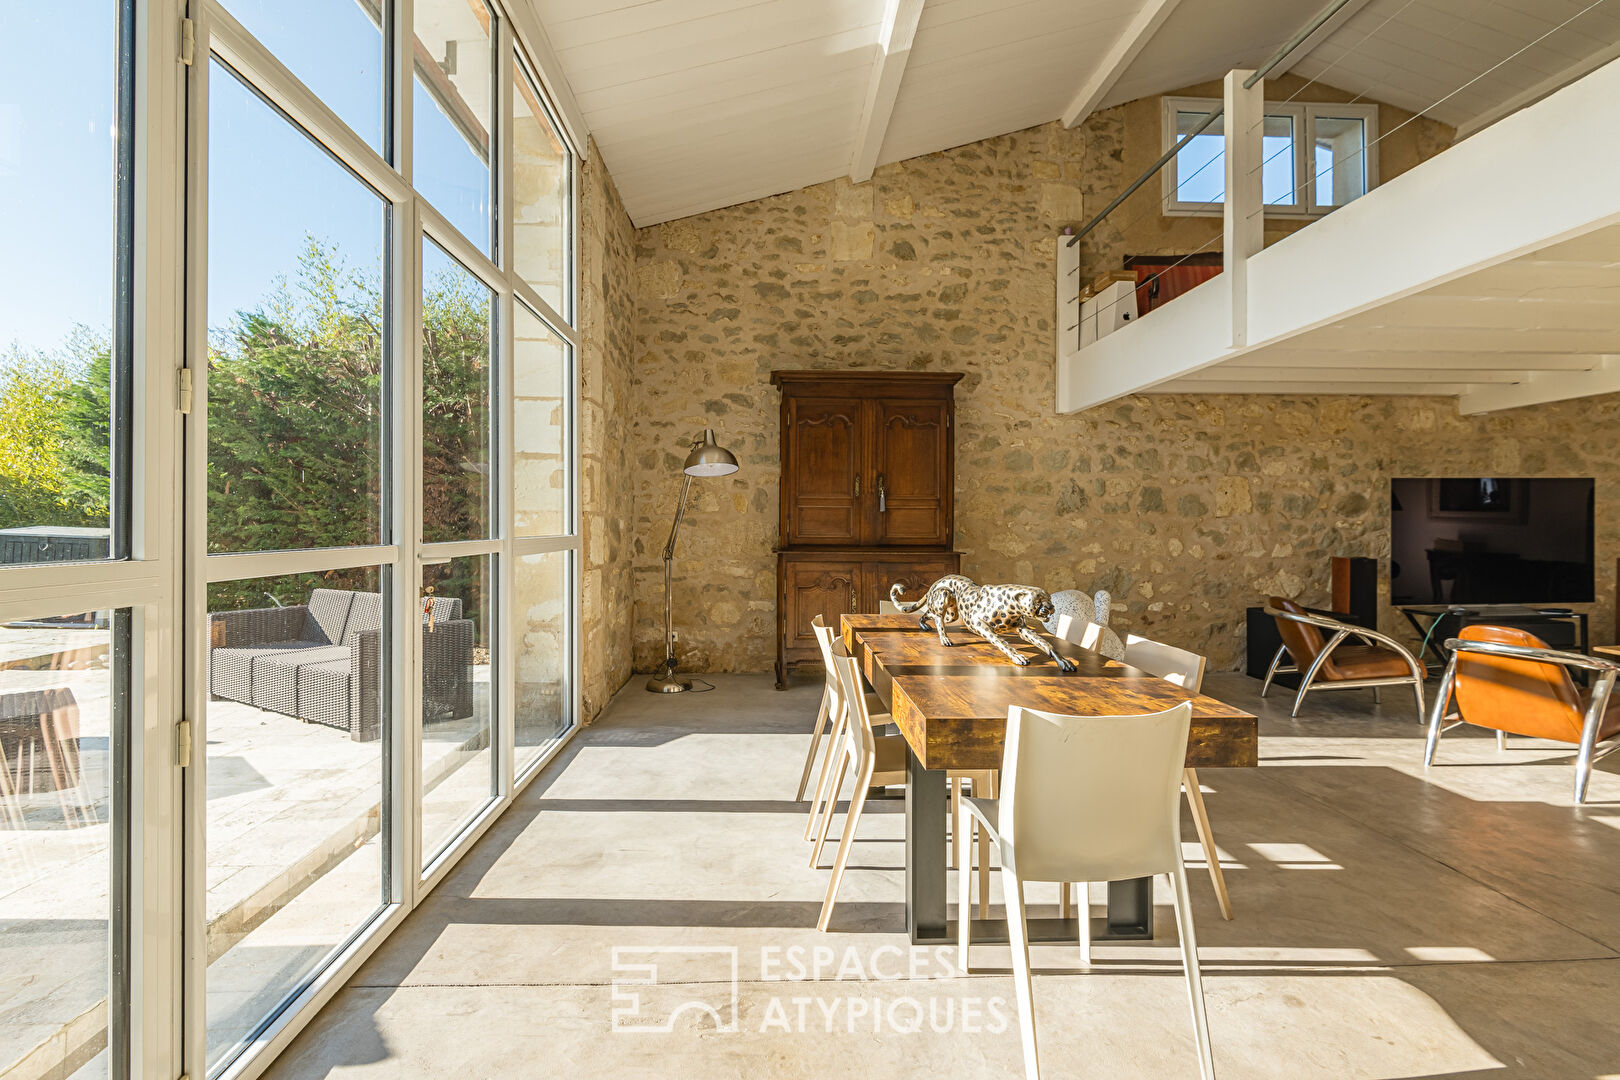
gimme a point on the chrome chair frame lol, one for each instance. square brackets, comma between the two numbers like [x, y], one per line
[1587, 753]
[1341, 632]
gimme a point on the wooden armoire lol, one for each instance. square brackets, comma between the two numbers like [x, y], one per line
[868, 480]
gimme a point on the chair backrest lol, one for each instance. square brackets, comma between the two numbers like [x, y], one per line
[848, 670]
[888, 607]
[1303, 641]
[365, 614]
[1093, 798]
[1179, 666]
[829, 645]
[1538, 700]
[326, 614]
[1081, 632]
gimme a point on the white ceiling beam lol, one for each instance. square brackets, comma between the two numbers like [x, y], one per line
[1149, 17]
[1577, 70]
[1540, 387]
[1330, 359]
[1234, 371]
[899, 29]
[1352, 389]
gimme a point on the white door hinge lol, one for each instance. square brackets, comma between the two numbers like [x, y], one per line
[188, 41]
[185, 390]
[182, 744]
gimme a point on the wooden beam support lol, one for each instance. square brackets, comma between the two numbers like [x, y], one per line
[899, 29]
[1120, 56]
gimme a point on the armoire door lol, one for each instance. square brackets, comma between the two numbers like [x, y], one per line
[913, 576]
[911, 496]
[823, 452]
[810, 587]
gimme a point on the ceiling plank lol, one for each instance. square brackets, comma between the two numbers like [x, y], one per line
[895, 36]
[1544, 386]
[1578, 70]
[1138, 33]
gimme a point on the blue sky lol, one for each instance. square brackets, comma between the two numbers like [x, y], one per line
[270, 187]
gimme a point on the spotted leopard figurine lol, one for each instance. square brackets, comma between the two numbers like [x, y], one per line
[987, 610]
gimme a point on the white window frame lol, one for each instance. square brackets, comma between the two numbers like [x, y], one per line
[1304, 117]
[162, 581]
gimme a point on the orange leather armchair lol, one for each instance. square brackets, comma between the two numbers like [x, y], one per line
[1509, 681]
[1330, 663]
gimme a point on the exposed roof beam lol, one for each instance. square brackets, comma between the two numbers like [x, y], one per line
[1238, 372]
[1353, 389]
[894, 49]
[1121, 54]
[1543, 386]
[1579, 69]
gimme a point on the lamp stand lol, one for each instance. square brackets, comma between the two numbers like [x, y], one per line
[666, 681]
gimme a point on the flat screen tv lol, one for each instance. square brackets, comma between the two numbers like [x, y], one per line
[1491, 540]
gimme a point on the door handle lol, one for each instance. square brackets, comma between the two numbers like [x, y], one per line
[883, 501]
[857, 485]
[852, 601]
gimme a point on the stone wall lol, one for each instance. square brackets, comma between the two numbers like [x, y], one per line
[1188, 508]
[606, 364]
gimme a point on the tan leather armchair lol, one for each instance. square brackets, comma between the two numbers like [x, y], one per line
[1329, 663]
[1509, 681]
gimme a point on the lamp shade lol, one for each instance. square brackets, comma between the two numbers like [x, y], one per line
[710, 459]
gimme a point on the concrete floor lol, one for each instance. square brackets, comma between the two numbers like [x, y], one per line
[1389, 924]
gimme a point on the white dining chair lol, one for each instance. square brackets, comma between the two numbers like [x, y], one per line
[1089, 635]
[832, 713]
[1085, 798]
[1185, 669]
[876, 760]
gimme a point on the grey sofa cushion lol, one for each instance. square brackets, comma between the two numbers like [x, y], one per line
[365, 615]
[275, 673]
[328, 613]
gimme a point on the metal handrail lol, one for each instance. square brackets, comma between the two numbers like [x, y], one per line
[1282, 53]
[1527, 652]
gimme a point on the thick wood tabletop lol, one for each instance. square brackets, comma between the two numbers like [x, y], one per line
[951, 704]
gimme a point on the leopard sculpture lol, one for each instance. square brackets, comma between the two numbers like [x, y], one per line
[987, 610]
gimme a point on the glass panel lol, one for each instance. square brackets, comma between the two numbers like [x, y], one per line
[63, 708]
[542, 597]
[296, 330]
[1277, 162]
[335, 47]
[458, 760]
[540, 172]
[1340, 161]
[296, 851]
[1201, 166]
[540, 430]
[455, 87]
[457, 350]
[58, 230]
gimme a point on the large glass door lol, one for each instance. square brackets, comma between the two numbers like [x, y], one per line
[363, 320]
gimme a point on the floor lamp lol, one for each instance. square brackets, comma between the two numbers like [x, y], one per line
[706, 459]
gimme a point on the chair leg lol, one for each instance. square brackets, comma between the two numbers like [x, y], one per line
[857, 799]
[1065, 901]
[1417, 688]
[815, 742]
[954, 783]
[835, 746]
[1271, 672]
[993, 782]
[1082, 911]
[1501, 740]
[832, 805]
[1023, 984]
[1299, 698]
[1206, 838]
[1195, 982]
[1378, 696]
[963, 841]
[1432, 742]
[1583, 763]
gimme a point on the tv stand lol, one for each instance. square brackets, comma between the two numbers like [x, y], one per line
[1558, 627]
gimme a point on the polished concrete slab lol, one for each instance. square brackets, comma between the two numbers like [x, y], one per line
[647, 909]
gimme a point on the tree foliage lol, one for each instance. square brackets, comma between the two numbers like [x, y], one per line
[296, 446]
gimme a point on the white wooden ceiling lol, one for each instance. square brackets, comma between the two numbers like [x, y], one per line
[698, 104]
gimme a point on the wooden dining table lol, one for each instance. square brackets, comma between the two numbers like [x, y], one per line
[950, 704]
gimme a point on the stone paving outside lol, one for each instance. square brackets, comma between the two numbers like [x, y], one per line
[294, 865]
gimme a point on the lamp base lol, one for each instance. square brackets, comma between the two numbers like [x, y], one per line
[668, 683]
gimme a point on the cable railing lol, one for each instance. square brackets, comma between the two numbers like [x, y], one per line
[1305, 179]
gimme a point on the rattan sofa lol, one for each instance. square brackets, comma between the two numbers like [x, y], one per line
[321, 661]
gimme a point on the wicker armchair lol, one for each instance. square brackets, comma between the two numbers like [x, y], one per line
[322, 661]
